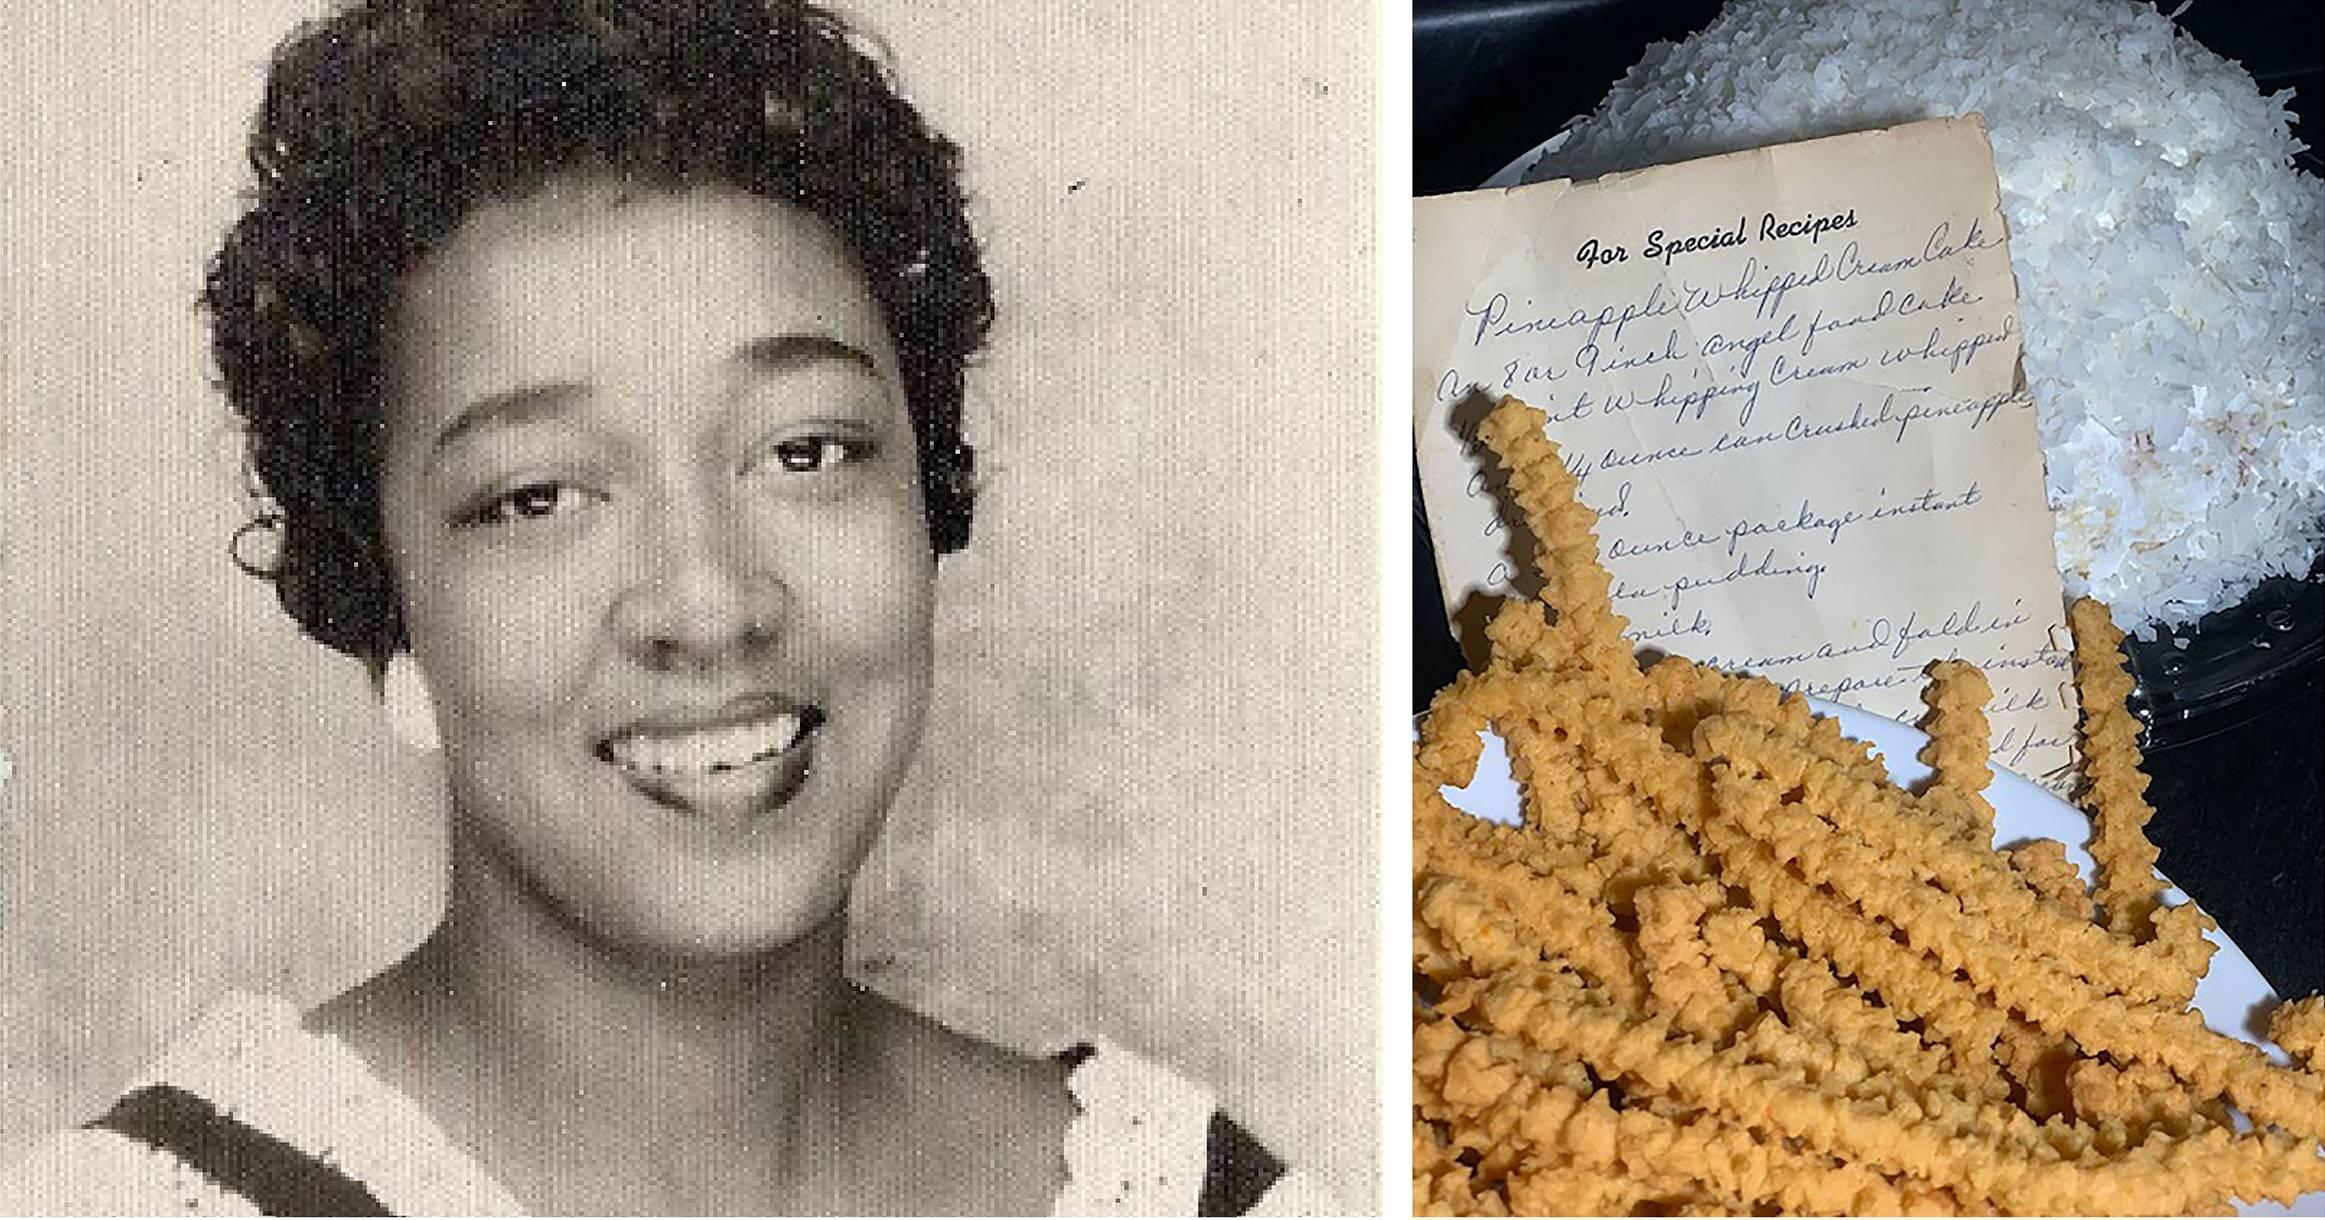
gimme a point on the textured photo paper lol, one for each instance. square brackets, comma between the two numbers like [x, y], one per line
[1140, 816]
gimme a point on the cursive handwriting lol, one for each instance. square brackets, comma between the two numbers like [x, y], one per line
[1720, 344]
[1606, 322]
[2018, 741]
[1892, 304]
[1973, 621]
[1593, 360]
[1958, 353]
[1971, 413]
[1839, 689]
[1687, 406]
[1810, 573]
[1671, 628]
[1830, 523]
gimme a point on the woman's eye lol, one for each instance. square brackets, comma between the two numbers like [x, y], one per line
[532, 502]
[808, 454]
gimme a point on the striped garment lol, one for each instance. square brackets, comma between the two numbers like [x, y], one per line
[253, 1114]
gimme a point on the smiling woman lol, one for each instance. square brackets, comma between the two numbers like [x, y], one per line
[601, 365]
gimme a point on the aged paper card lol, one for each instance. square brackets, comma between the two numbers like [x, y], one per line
[1788, 382]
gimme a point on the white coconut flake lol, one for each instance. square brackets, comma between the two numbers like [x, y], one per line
[2170, 259]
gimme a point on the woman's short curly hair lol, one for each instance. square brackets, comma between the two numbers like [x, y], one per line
[388, 123]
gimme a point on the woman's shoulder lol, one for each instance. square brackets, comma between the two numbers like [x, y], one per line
[1138, 1137]
[249, 1113]
[1147, 1140]
[93, 1171]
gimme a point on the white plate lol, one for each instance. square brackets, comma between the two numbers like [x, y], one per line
[2232, 996]
[1514, 174]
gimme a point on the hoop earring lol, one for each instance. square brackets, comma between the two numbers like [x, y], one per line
[411, 710]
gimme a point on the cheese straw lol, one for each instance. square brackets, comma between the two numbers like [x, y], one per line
[1726, 967]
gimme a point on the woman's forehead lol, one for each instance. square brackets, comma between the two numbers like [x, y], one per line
[598, 280]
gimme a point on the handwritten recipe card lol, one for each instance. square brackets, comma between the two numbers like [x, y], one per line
[1788, 382]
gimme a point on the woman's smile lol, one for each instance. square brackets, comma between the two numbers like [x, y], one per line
[727, 764]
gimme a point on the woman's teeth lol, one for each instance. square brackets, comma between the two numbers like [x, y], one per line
[709, 751]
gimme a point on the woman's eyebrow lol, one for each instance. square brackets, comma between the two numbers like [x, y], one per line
[527, 403]
[780, 353]
[507, 408]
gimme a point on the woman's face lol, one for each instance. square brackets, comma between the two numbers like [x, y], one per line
[652, 499]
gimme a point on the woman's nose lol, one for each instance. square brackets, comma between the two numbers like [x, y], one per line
[700, 595]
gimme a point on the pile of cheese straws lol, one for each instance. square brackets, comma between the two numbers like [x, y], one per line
[1726, 967]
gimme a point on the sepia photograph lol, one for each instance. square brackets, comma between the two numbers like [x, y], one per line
[690, 607]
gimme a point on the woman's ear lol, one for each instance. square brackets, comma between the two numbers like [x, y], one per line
[410, 708]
